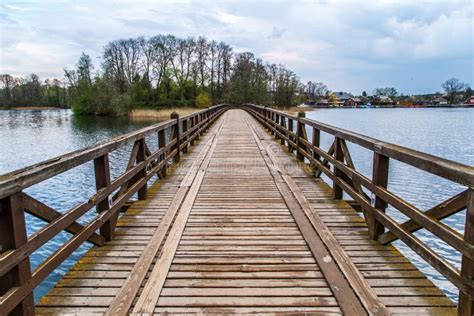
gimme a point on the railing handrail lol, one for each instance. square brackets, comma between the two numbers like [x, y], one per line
[337, 164]
[111, 195]
[18, 180]
[442, 167]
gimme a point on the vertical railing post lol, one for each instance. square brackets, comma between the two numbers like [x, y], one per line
[300, 132]
[193, 123]
[339, 156]
[276, 124]
[272, 119]
[205, 120]
[175, 135]
[282, 124]
[196, 122]
[162, 144]
[185, 128]
[466, 304]
[141, 156]
[102, 180]
[201, 120]
[290, 129]
[12, 236]
[379, 178]
[316, 141]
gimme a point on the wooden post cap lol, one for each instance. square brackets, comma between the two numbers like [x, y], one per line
[301, 114]
[174, 115]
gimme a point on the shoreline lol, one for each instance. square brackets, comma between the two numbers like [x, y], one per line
[392, 107]
[160, 114]
[33, 108]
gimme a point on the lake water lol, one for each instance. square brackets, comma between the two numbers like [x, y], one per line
[27, 137]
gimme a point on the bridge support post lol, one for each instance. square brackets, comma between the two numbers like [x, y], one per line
[141, 156]
[193, 123]
[379, 178]
[196, 122]
[272, 123]
[161, 144]
[185, 128]
[175, 135]
[316, 141]
[301, 134]
[12, 236]
[339, 156]
[102, 180]
[290, 130]
[466, 304]
[201, 120]
[282, 124]
[276, 124]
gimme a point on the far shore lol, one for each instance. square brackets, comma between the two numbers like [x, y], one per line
[31, 108]
[165, 113]
[160, 114]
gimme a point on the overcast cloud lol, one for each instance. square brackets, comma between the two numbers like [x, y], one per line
[350, 45]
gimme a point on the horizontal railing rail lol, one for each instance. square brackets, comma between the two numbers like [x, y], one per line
[17, 281]
[338, 166]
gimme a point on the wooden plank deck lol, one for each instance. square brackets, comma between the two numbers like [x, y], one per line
[241, 243]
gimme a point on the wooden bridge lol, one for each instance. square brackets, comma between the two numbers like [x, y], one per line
[241, 222]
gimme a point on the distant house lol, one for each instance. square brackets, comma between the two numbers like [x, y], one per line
[343, 96]
[351, 102]
[322, 102]
[382, 99]
[469, 101]
[440, 101]
[338, 98]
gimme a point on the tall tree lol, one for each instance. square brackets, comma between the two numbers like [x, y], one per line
[452, 87]
[182, 62]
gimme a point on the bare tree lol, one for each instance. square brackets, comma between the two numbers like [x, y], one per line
[122, 60]
[182, 62]
[320, 89]
[452, 87]
[202, 55]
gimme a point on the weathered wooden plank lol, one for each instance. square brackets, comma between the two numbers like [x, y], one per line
[150, 295]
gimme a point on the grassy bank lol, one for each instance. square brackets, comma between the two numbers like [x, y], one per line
[161, 114]
[165, 113]
[18, 108]
[295, 109]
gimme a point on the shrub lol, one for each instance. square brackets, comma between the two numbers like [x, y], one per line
[203, 100]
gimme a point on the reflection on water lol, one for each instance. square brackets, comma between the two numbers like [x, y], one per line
[28, 137]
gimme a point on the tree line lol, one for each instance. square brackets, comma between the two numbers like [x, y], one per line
[165, 70]
[31, 91]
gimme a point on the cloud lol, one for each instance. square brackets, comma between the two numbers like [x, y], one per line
[349, 45]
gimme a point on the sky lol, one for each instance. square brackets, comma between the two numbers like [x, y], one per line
[351, 46]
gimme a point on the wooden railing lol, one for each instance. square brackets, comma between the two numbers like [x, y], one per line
[17, 281]
[338, 166]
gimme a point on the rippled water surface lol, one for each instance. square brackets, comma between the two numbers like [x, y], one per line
[443, 132]
[27, 137]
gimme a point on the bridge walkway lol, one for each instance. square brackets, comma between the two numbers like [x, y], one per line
[238, 226]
